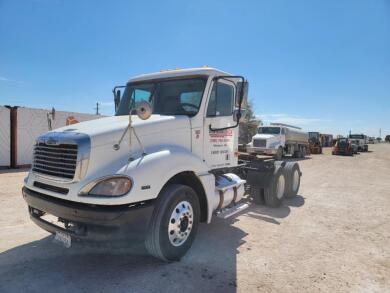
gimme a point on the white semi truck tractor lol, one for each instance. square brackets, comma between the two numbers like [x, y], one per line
[360, 140]
[165, 162]
[278, 140]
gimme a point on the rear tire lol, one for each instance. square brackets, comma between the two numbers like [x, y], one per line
[176, 204]
[274, 193]
[293, 179]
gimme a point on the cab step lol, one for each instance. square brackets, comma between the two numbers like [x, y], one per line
[228, 212]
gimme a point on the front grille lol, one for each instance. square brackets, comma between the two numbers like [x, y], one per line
[259, 143]
[55, 160]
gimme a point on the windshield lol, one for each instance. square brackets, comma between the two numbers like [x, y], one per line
[342, 143]
[358, 136]
[314, 135]
[269, 130]
[168, 97]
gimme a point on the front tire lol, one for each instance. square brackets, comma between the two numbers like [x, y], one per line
[279, 154]
[174, 223]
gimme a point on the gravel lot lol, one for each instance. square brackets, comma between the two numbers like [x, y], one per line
[333, 237]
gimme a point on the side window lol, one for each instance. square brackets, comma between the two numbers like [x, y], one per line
[221, 100]
[283, 131]
[138, 95]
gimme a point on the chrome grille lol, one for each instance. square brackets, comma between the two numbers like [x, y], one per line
[259, 143]
[55, 160]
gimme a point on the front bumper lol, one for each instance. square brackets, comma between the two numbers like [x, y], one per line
[89, 222]
[342, 152]
[264, 151]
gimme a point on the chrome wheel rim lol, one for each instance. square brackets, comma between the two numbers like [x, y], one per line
[295, 180]
[180, 223]
[280, 187]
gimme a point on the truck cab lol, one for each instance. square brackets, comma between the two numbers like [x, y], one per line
[269, 140]
[360, 140]
[166, 161]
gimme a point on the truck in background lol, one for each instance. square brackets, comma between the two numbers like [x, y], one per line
[165, 162]
[278, 140]
[360, 140]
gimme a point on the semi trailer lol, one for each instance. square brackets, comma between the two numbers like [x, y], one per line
[165, 162]
[278, 140]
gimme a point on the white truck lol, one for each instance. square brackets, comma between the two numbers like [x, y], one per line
[280, 139]
[166, 161]
[360, 140]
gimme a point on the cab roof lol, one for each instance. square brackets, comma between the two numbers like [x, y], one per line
[179, 72]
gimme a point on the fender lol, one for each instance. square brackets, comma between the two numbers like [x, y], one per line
[150, 172]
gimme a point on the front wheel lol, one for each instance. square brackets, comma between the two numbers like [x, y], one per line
[174, 223]
[279, 154]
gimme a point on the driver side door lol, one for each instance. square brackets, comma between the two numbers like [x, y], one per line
[220, 145]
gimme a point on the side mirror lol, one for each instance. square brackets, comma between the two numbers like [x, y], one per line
[242, 90]
[117, 99]
[242, 115]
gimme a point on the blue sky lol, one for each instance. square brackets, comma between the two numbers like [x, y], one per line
[323, 65]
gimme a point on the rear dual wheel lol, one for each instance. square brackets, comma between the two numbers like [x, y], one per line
[275, 192]
[285, 183]
[293, 175]
[301, 153]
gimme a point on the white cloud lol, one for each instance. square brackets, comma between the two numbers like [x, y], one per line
[106, 104]
[288, 119]
[4, 78]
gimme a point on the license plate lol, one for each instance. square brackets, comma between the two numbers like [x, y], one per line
[63, 238]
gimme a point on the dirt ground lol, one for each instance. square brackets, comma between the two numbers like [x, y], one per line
[333, 237]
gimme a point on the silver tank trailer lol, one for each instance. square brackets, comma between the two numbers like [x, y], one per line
[296, 135]
[293, 134]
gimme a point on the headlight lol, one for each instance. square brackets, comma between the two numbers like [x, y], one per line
[108, 186]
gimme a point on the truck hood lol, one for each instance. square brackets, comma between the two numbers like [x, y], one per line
[108, 130]
[265, 136]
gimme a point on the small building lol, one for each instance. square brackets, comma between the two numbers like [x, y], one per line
[20, 127]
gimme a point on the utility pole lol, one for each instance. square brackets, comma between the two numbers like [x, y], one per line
[97, 108]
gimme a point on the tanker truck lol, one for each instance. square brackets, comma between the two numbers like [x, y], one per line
[167, 161]
[278, 140]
